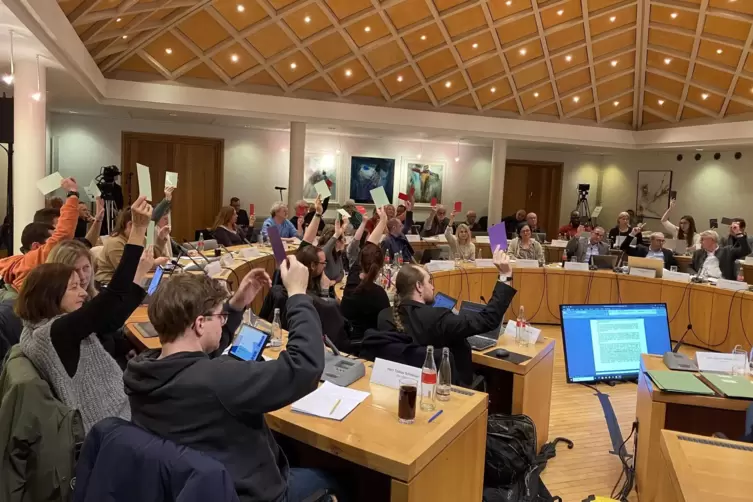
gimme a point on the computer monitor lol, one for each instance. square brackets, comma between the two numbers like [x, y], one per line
[605, 342]
[441, 300]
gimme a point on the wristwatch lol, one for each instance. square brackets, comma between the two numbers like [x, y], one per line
[71, 194]
[504, 278]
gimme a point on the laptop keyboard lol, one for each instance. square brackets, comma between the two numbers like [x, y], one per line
[478, 342]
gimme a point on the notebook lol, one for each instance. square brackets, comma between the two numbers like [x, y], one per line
[330, 401]
[731, 386]
[679, 381]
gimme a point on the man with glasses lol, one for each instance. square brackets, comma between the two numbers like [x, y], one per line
[584, 248]
[654, 250]
[436, 223]
[189, 393]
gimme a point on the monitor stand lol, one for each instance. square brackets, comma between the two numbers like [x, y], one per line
[679, 362]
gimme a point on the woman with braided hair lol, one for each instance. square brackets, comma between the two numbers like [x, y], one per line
[412, 313]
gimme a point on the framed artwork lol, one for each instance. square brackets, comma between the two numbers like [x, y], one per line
[652, 197]
[320, 166]
[367, 173]
[427, 177]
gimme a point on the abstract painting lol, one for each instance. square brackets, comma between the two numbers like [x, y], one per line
[319, 167]
[652, 197]
[426, 177]
[367, 173]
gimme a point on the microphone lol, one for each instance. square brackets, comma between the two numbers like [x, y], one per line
[679, 342]
[483, 300]
[193, 260]
[331, 345]
[281, 188]
[197, 250]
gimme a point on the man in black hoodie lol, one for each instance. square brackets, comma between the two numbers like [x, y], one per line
[190, 394]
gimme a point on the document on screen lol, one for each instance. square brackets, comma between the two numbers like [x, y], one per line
[617, 344]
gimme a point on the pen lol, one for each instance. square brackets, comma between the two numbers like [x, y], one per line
[337, 403]
[433, 417]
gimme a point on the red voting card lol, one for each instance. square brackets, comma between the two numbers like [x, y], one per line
[458, 206]
[402, 196]
[329, 183]
[433, 202]
[251, 209]
[412, 190]
[300, 211]
[361, 209]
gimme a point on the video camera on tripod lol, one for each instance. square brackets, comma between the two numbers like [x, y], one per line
[106, 181]
[582, 204]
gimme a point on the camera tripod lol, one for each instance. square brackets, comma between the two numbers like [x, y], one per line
[583, 208]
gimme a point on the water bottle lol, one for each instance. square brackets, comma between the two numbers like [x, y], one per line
[275, 342]
[428, 381]
[200, 244]
[564, 257]
[521, 337]
[479, 254]
[387, 272]
[444, 379]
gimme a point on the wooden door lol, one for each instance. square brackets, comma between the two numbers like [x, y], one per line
[516, 181]
[198, 162]
[535, 187]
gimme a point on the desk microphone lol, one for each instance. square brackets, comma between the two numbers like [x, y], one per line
[679, 342]
[184, 251]
[331, 345]
[197, 250]
[680, 362]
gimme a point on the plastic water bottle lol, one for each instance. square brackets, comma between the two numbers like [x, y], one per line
[275, 342]
[428, 381]
[444, 379]
[521, 337]
[200, 244]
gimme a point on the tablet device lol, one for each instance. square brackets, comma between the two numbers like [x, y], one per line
[249, 344]
[155, 280]
[441, 300]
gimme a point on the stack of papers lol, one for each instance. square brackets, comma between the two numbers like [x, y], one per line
[680, 381]
[330, 401]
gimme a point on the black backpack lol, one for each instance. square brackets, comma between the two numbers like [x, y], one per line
[513, 468]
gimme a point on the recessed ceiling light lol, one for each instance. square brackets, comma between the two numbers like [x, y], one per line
[475, 45]
[125, 36]
[240, 7]
[118, 20]
[568, 58]
[36, 96]
[234, 58]
[448, 84]
[523, 51]
[616, 103]
[307, 19]
[667, 60]
[399, 78]
[423, 37]
[348, 73]
[661, 102]
[173, 114]
[168, 51]
[72, 112]
[367, 29]
[560, 12]
[576, 99]
[673, 15]
[704, 96]
[719, 51]
[493, 89]
[293, 66]
[614, 63]
[457, 159]
[535, 94]
[613, 19]
[508, 3]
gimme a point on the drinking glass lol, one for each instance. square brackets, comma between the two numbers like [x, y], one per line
[406, 404]
[673, 268]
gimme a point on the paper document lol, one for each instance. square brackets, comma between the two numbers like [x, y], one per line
[596, 212]
[145, 181]
[93, 190]
[49, 183]
[150, 231]
[330, 401]
[379, 196]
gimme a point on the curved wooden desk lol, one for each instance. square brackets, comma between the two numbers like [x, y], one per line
[721, 318]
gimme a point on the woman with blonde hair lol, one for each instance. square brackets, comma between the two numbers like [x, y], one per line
[461, 244]
[622, 229]
[77, 255]
[225, 230]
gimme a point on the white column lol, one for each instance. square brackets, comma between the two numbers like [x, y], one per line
[29, 144]
[297, 151]
[497, 181]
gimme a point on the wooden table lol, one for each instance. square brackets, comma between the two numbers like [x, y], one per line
[438, 461]
[657, 410]
[694, 472]
[721, 318]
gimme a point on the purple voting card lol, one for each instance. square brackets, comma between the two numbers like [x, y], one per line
[498, 237]
[277, 247]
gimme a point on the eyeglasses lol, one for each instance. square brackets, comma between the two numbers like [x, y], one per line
[222, 316]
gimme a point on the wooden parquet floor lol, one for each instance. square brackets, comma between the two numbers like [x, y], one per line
[589, 468]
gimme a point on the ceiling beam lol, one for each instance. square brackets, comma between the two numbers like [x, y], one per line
[547, 60]
[641, 54]
[693, 56]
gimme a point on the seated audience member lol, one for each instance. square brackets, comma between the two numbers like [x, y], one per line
[389, 211]
[622, 229]
[525, 247]
[60, 327]
[84, 218]
[174, 392]
[355, 216]
[396, 244]
[685, 231]
[313, 258]
[89, 237]
[582, 248]
[244, 220]
[532, 220]
[436, 223]
[278, 218]
[38, 239]
[112, 251]
[654, 250]
[471, 222]
[309, 213]
[512, 221]
[571, 228]
[716, 261]
[332, 242]
[461, 244]
[412, 313]
[363, 298]
[225, 229]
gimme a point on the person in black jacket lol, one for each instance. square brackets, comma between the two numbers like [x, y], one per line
[715, 261]
[413, 314]
[189, 393]
[654, 250]
[243, 220]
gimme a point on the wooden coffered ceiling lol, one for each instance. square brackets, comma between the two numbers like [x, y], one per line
[569, 60]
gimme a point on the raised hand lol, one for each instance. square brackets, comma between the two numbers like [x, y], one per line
[318, 204]
[636, 231]
[100, 209]
[502, 261]
[146, 262]
[141, 213]
[409, 204]
[169, 192]
[735, 228]
[295, 276]
[251, 285]
[581, 229]
[672, 203]
[69, 184]
[164, 233]
[381, 213]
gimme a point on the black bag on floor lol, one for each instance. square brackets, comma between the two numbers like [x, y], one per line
[513, 468]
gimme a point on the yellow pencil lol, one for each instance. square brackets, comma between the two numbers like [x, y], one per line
[337, 403]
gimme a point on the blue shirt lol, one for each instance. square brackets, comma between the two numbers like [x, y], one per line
[659, 255]
[591, 250]
[286, 228]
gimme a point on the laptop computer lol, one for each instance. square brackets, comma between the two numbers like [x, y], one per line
[441, 300]
[647, 263]
[430, 254]
[604, 262]
[483, 341]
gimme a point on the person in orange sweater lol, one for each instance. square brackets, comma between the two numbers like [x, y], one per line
[14, 269]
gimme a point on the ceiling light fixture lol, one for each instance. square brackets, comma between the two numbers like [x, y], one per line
[293, 66]
[704, 96]
[719, 51]
[125, 36]
[448, 84]
[523, 51]
[535, 94]
[673, 15]
[667, 60]
[661, 102]
[8, 77]
[240, 7]
[348, 72]
[576, 99]
[307, 19]
[37, 95]
[475, 45]
[616, 103]
[613, 63]
[493, 89]
[613, 19]
[568, 58]
[367, 29]
[423, 37]
[118, 20]
[560, 12]
[168, 51]
[234, 58]
[173, 114]
[508, 3]
[399, 78]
